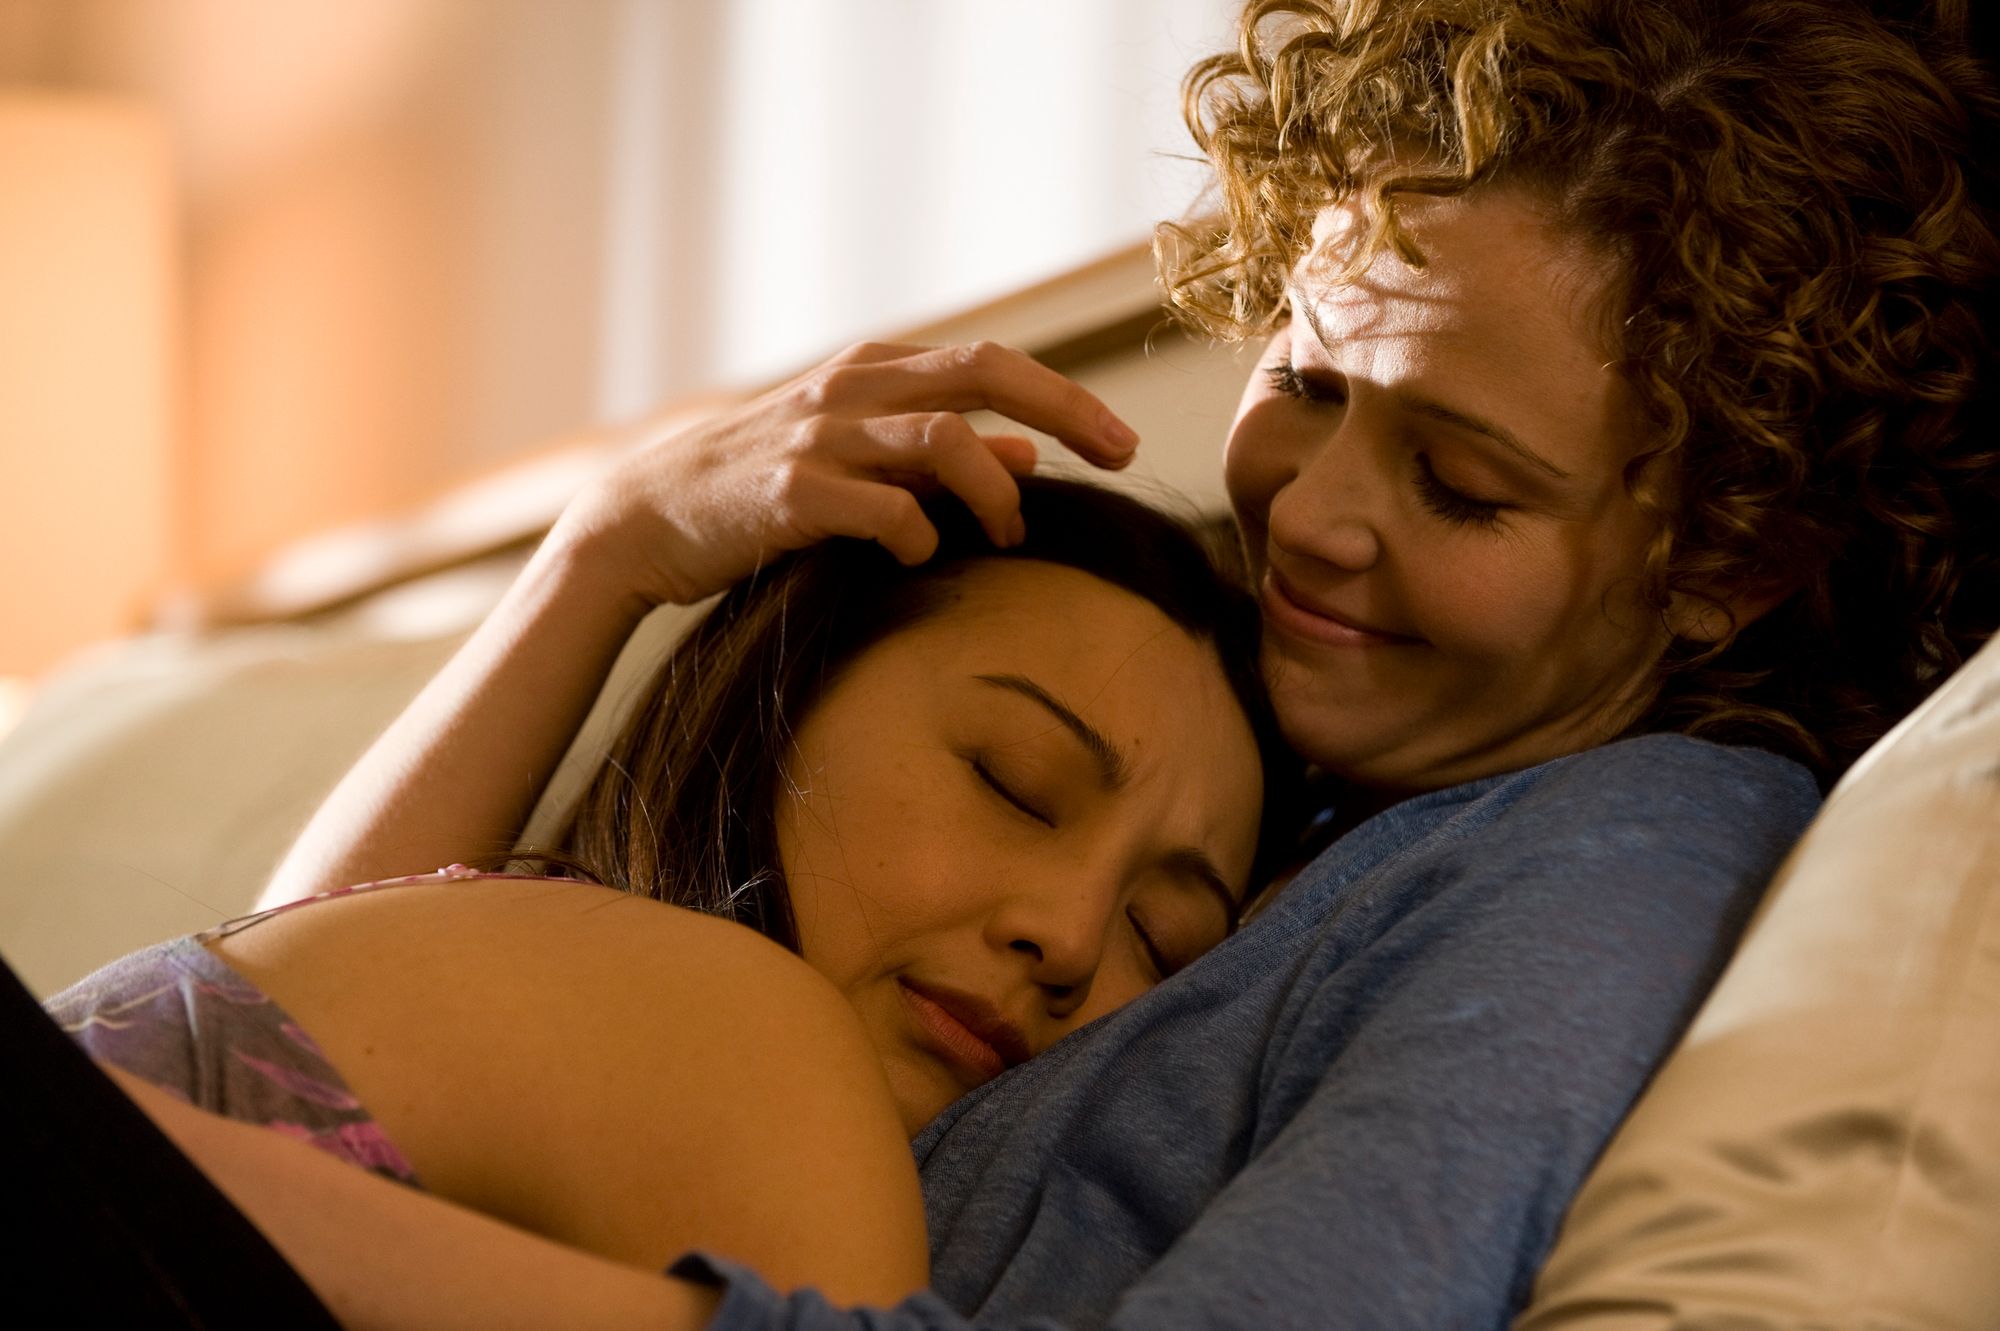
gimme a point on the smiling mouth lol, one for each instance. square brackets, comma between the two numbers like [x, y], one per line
[968, 1033]
[1286, 610]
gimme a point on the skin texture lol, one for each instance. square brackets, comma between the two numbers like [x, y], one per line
[621, 1076]
[950, 833]
[1508, 626]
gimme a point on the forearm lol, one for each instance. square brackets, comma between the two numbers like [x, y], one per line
[382, 1255]
[456, 774]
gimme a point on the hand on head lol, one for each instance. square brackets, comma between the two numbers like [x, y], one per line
[842, 450]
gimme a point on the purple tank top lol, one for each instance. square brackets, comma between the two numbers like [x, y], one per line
[177, 1016]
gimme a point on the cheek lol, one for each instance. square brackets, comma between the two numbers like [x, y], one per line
[1242, 801]
[1550, 600]
[805, 817]
[1501, 602]
[1252, 457]
[819, 831]
[1116, 984]
[866, 872]
[801, 857]
[845, 801]
[1253, 471]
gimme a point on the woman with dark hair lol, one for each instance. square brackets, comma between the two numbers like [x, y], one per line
[1623, 462]
[679, 809]
[1052, 758]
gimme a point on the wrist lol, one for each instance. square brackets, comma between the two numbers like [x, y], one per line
[615, 549]
[586, 564]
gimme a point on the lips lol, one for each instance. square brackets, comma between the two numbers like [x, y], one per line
[1296, 613]
[970, 1032]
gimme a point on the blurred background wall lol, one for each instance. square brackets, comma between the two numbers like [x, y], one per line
[274, 266]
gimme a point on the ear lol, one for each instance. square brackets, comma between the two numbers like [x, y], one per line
[1708, 617]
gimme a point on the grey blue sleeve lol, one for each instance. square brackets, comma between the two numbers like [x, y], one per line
[1470, 1026]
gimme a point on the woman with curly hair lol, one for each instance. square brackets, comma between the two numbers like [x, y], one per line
[1775, 215]
[1622, 464]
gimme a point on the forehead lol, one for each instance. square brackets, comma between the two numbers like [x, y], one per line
[1110, 653]
[1504, 308]
[1492, 248]
[1059, 616]
[1155, 692]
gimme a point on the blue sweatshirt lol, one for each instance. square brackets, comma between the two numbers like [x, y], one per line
[1370, 1107]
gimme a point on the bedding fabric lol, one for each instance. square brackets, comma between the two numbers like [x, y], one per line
[1369, 1108]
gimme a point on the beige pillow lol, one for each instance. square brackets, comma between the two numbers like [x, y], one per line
[152, 785]
[1823, 1150]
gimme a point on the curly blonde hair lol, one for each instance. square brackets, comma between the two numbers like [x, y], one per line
[1807, 242]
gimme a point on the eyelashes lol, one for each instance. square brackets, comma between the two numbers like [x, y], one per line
[1454, 506]
[1439, 500]
[1155, 955]
[1007, 793]
[1285, 379]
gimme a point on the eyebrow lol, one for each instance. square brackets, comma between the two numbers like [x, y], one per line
[1114, 772]
[1438, 411]
[1434, 409]
[1112, 769]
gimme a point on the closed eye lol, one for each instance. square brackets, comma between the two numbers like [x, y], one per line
[1162, 967]
[1004, 791]
[1454, 506]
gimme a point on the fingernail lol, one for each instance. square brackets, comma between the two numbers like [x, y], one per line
[1122, 435]
[1017, 530]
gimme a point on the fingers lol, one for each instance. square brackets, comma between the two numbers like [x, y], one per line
[868, 353]
[856, 434]
[1016, 453]
[885, 514]
[965, 466]
[941, 445]
[982, 375]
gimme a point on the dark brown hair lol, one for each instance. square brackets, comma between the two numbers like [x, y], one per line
[1805, 231]
[683, 808]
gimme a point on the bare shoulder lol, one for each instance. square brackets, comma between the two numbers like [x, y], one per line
[545, 951]
[622, 1075]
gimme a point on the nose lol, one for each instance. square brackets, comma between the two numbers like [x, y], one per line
[1059, 927]
[1323, 510]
